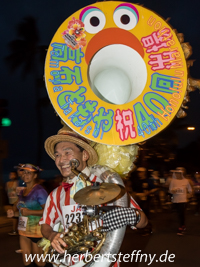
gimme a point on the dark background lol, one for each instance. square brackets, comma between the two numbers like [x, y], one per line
[27, 28]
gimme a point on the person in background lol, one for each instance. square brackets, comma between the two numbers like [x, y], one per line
[142, 188]
[20, 187]
[29, 208]
[168, 178]
[11, 189]
[179, 187]
[197, 191]
[21, 183]
[166, 186]
[189, 178]
[163, 193]
[155, 191]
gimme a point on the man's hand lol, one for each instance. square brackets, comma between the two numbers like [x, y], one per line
[54, 237]
[119, 217]
[24, 211]
[10, 213]
[57, 242]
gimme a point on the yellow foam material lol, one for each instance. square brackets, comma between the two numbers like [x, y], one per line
[119, 158]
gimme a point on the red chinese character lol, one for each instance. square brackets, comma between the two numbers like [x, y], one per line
[125, 124]
[161, 61]
[157, 40]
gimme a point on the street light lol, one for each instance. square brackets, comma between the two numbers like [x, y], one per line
[190, 128]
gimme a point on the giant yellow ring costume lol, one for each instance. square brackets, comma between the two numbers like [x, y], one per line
[116, 73]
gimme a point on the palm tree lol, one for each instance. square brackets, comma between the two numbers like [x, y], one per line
[29, 55]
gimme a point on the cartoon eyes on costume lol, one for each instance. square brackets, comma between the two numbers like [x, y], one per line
[93, 19]
[125, 17]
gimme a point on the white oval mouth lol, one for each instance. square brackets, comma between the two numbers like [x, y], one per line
[117, 74]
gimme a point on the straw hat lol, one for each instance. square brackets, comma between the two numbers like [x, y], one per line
[67, 135]
[30, 167]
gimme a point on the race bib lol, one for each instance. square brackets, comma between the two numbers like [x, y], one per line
[22, 223]
[72, 214]
[179, 191]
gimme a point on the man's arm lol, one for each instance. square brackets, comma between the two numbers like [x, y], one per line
[53, 237]
[120, 216]
[143, 220]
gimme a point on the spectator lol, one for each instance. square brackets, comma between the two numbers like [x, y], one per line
[179, 187]
[166, 186]
[188, 177]
[141, 188]
[197, 191]
[155, 191]
[11, 189]
[21, 183]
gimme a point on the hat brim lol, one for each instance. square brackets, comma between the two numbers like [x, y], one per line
[54, 139]
[28, 169]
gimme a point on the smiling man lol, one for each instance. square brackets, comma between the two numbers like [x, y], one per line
[64, 147]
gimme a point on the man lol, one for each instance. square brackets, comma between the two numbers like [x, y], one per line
[21, 186]
[179, 187]
[197, 191]
[11, 189]
[64, 147]
[141, 188]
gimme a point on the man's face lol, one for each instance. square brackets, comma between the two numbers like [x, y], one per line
[142, 174]
[12, 175]
[179, 175]
[66, 151]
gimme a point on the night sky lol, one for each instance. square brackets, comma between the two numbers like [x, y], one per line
[20, 91]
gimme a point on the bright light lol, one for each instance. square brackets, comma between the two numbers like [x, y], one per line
[190, 128]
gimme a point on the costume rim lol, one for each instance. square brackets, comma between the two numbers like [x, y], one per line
[69, 136]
